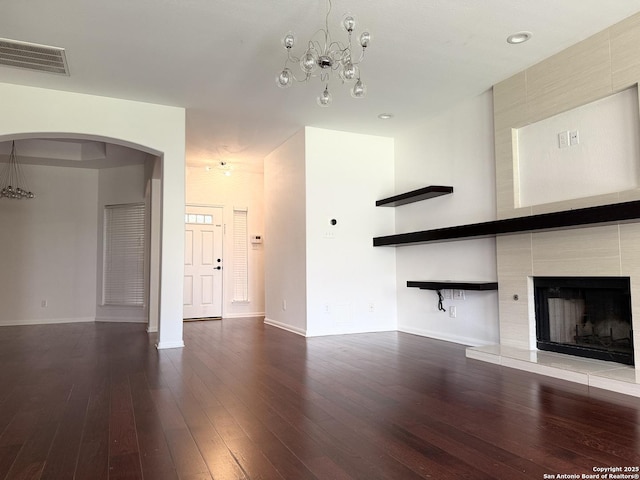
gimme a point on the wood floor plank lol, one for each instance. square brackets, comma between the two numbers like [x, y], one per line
[62, 457]
[246, 401]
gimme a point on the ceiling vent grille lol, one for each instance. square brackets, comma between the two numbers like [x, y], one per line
[32, 56]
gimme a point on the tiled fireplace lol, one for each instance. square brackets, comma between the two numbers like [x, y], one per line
[563, 93]
[610, 251]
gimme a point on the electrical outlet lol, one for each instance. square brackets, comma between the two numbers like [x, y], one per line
[44, 303]
[452, 311]
[574, 138]
[372, 307]
[458, 294]
[447, 293]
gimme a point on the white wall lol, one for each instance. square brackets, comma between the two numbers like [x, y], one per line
[156, 129]
[350, 284]
[456, 148]
[49, 248]
[284, 236]
[323, 279]
[243, 188]
[118, 185]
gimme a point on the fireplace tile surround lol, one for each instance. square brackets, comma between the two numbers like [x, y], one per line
[610, 250]
[599, 66]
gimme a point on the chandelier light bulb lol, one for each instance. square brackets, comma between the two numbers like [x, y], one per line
[289, 40]
[349, 23]
[308, 62]
[283, 80]
[324, 100]
[349, 72]
[359, 90]
[365, 38]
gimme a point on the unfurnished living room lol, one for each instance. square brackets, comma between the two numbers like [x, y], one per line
[319, 240]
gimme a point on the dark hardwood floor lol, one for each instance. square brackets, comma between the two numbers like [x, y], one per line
[248, 401]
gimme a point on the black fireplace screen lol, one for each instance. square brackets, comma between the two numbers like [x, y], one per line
[585, 316]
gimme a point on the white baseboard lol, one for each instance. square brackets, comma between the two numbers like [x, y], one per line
[166, 345]
[243, 315]
[46, 321]
[473, 342]
[284, 326]
[122, 319]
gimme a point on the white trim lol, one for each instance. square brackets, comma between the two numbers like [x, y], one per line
[473, 342]
[45, 321]
[243, 315]
[166, 345]
[121, 319]
[152, 329]
[284, 326]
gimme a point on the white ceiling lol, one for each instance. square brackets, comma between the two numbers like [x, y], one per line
[219, 58]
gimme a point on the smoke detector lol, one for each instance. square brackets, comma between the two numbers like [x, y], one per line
[32, 56]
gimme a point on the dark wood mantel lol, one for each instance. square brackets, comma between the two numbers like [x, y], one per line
[604, 214]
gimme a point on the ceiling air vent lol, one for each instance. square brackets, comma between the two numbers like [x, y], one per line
[32, 56]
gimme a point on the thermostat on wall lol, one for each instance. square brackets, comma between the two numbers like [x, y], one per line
[256, 238]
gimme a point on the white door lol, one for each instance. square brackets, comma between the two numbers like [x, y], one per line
[203, 262]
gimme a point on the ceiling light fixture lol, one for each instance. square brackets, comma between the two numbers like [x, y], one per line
[324, 56]
[519, 37]
[385, 116]
[13, 183]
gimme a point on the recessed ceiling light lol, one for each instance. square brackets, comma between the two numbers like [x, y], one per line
[519, 37]
[385, 116]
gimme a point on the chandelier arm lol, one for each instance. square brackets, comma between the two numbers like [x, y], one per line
[306, 78]
[356, 62]
[290, 58]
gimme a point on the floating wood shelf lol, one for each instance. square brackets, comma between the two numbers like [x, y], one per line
[604, 214]
[450, 284]
[414, 196]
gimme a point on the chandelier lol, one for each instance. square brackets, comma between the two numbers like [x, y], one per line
[323, 57]
[12, 180]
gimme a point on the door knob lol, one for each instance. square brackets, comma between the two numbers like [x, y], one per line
[217, 268]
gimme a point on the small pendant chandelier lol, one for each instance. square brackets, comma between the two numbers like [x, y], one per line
[324, 56]
[13, 183]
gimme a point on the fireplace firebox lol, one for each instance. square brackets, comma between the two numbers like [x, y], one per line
[585, 316]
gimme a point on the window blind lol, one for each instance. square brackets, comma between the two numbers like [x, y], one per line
[123, 255]
[240, 256]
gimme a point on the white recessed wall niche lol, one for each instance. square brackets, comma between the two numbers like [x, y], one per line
[590, 150]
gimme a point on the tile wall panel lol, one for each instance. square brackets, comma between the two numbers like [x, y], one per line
[630, 267]
[625, 58]
[590, 251]
[514, 331]
[573, 77]
[515, 254]
[510, 100]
